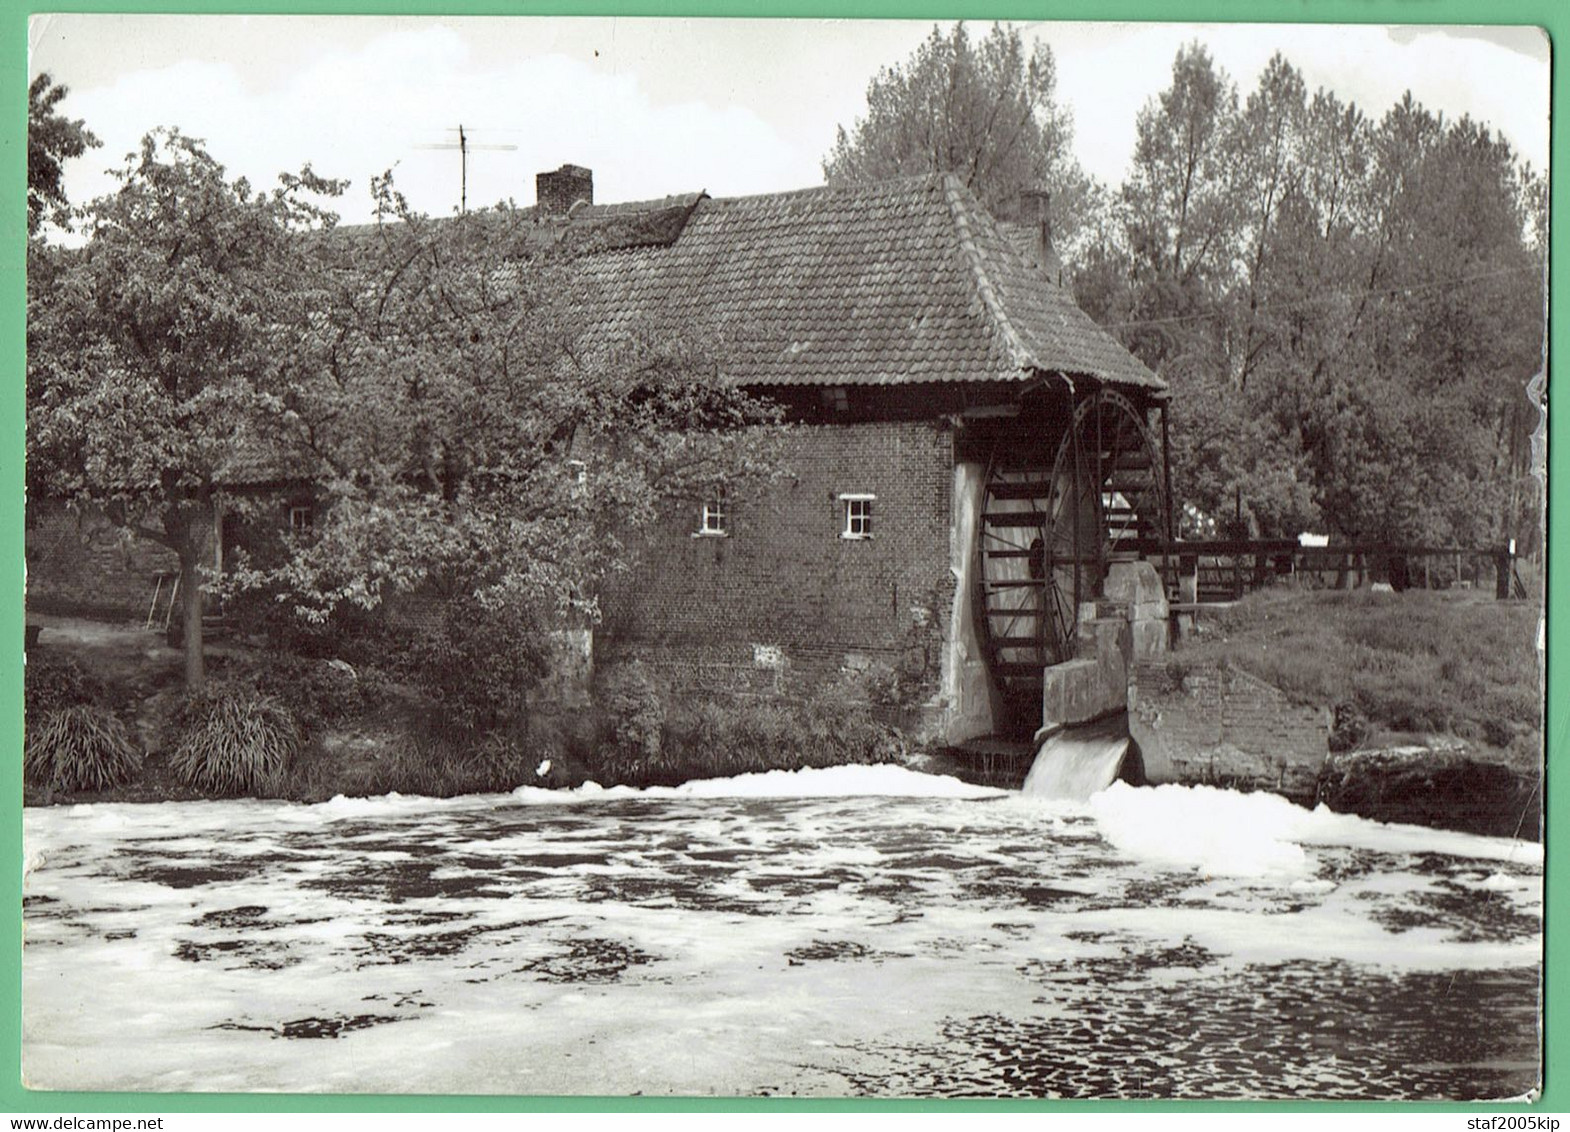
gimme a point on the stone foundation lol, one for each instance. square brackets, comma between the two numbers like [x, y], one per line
[1214, 724]
[1126, 626]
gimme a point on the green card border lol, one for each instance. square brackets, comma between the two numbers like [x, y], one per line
[1551, 15]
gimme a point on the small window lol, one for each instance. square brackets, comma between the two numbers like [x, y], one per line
[301, 519]
[858, 515]
[713, 518]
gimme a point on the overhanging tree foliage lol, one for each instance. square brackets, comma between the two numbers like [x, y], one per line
[484, 435]
[162, 348]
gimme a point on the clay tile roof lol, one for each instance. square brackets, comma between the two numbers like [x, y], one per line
[907, 280]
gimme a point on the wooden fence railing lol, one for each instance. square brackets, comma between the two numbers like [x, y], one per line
[1226, 569]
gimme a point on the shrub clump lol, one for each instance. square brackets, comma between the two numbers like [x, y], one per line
[50, 682]
[630, 731]
[320, 693]
[1351, 726]
[443, 762]
[478, 664]
[79, 747]
[232, 740]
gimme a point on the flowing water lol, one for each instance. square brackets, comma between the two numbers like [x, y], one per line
[830, 933]
[1074, 764]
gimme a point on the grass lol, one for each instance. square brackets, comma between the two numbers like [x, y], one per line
[232, 740]
[1419, 662]
[80, 747]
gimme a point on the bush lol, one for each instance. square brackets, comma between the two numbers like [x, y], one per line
[1351, 727]
[233, 740]
[318, 692]
[50, 682]
[443, 765]
[80, 747]
[479, 664]
[632, 717]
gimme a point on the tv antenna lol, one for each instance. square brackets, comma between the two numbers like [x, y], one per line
[463, 145]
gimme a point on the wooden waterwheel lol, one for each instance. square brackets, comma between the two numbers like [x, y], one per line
[1048, 533]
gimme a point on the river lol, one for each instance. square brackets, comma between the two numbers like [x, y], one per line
[850, 932]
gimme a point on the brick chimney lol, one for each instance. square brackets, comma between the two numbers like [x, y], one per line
[557, 192]
[1038, 210]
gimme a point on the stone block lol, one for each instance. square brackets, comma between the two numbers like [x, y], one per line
[1148, 639]
[1080, 690]
[1136, 584]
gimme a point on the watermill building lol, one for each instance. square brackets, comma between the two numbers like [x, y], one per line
[968, 454]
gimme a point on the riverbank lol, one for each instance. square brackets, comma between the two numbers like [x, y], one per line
[1435, 698]
[368, 732]
[1437, 718]
[1396, 669]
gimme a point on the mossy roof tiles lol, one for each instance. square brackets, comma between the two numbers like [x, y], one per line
[878, 284]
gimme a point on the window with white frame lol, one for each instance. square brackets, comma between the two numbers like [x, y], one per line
[301, 518]
[713, 518]
[858, 515]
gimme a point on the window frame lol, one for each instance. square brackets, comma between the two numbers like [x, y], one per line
[301, 528]
[713, 516]
[857, 508]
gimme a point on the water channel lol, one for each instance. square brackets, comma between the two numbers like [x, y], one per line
[836, 933]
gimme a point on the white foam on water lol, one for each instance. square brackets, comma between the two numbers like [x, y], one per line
[1224, 833]
[883, 780]
[726, 1005]
[1218, 832]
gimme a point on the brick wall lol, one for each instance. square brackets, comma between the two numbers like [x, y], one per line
[84, 565]
[1211, 723]
[783, 604]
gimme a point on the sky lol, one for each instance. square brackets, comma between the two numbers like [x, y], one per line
[661, 106]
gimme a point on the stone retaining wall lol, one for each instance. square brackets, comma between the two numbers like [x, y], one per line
[1211, 723]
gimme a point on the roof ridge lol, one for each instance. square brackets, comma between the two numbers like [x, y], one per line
[884, 184]
[955, 194]
[653, 204]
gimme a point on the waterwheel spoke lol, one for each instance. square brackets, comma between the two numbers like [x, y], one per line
[1010, 544]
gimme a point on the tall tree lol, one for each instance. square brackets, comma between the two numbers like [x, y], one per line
[160, 348]
[1346, 310]
[52, 139]
[986, 111]
[1181, 213]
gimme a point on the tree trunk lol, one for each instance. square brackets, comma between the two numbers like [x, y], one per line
[191, 619]
[190, 558]
[187, 525]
